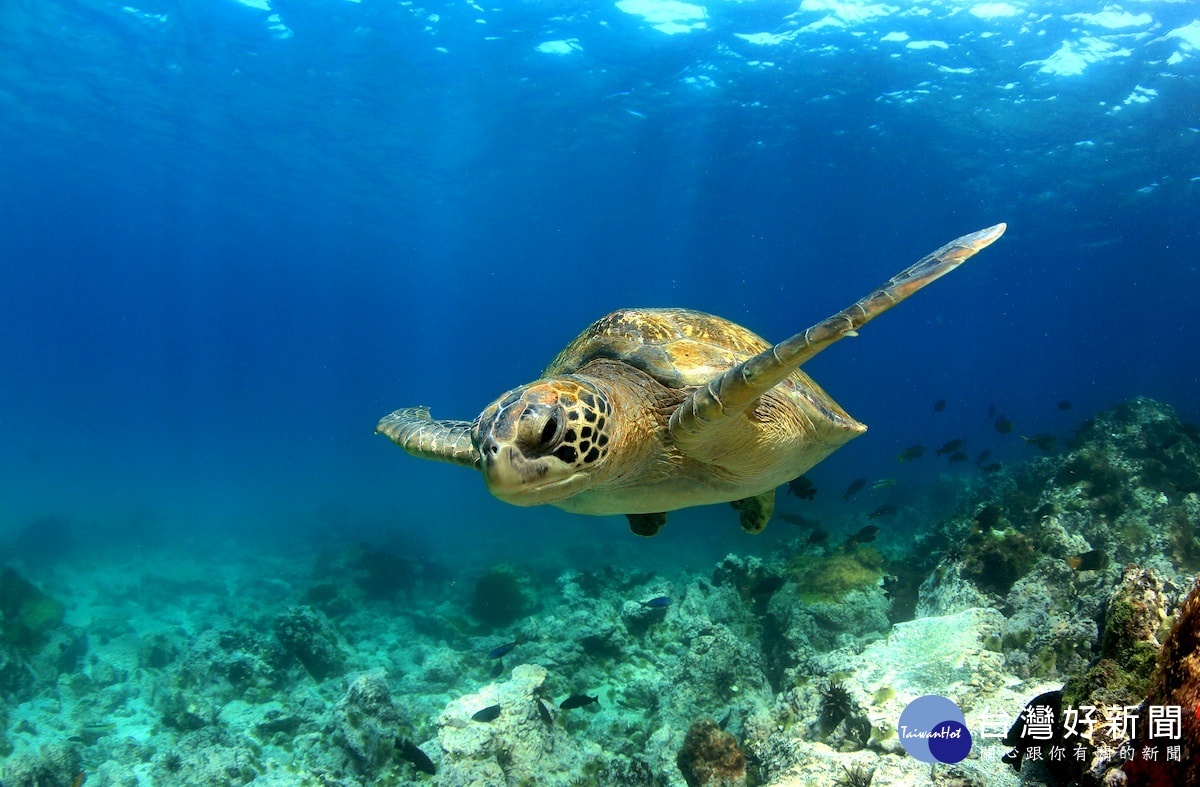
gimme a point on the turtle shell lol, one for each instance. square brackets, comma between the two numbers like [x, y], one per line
[677, 347]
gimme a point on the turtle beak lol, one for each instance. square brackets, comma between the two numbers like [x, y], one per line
[517, 479]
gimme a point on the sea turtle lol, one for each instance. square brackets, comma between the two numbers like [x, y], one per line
[652, 410]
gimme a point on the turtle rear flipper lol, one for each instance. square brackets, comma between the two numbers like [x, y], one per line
[415, 431]
[731, 392]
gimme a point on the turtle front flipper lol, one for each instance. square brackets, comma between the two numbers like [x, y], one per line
[416, 432]
[730, 393]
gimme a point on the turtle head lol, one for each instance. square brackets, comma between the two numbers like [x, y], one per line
[541, 443]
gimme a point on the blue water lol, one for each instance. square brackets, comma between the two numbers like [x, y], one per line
[235, 235]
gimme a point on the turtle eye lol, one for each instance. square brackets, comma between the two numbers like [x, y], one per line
[549, 432]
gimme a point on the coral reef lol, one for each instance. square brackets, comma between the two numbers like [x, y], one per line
[710, 757]
[500, 598]
[309, 636]
[831, 577]
[366, 720]
[1176, 682]
[518, 746]
[1054, 578]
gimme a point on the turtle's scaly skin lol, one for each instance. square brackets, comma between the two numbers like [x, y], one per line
[652, 410]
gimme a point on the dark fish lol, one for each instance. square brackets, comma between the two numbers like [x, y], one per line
[817, 536]
[578, 701]
[994, 467]
[410, 752]
[884, 510]
[911, 453]
[502, 650]
[767, 586]
[983, 455]
[724, 722]
[952, 446]
[1003, 424]
[939, 405]
[868, 533]
[660, 602]
[1088, 561]
[1042, 440]
[795, 519]
[855, 486]
[991, 411]
[1064, 405]
[802, 488]
[957, 456]
[544, 712]
[497, 669]
[490, 713]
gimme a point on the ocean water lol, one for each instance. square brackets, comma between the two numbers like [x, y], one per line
[233, 235]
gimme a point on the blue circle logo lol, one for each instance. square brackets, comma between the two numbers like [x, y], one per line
[933, 729]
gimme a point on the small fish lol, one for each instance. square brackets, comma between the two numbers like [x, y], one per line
[802, 488]
[544, 712]
[952, 446]
[991, 411]
[994, 467]
[939, 405]
[884, 510]
[817, 536]
[410, 752]
[1042, 440]
[883, 483]
[502, 650]
[1003, 424]
[911, 453]
[578, 701]
[867, 534]
[497, 669]
[660, 602]
[855, 486]
[983, 455]
[490, 713]
[957, 456]
[1064, 405]
[1088, 561]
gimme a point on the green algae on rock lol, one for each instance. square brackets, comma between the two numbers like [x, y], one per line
[27, 615]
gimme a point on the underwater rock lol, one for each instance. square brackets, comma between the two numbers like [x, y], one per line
[501, 597]
[310, 637]
[946, 591]
[1176, 682]
[224, 664]
[842, 723]
[518, 747]
[1047, 540]
[1117, 679]
[366, 720]
[629, 773]
[1052, 631]
[27, 615]
[210, 756]
[639, 616]
[379, 573]
[710, 757]
[53, 765]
